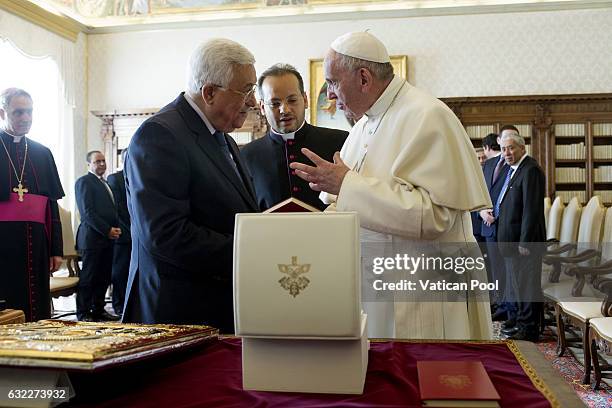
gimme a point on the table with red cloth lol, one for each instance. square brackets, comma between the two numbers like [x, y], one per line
[211, 376]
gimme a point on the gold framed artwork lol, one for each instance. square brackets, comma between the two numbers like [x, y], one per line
[323, 112]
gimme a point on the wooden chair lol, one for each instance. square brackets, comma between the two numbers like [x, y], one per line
[559, 241]
[584, 252]
[65, 281]
[578, 310]
[553, 223]
[568, 235]
[600, 335]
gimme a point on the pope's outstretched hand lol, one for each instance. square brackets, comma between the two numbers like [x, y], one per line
[323, 176]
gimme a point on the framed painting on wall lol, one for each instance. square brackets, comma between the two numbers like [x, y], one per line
[323, 112]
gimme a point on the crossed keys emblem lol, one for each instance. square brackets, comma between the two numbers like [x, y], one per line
[294, 283]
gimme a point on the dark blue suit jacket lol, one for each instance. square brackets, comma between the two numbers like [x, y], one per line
[521, 215]
[98, 213]
[490, 231]
[183, 195]
[117, 183]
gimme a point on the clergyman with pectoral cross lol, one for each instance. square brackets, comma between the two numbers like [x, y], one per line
[30, 228]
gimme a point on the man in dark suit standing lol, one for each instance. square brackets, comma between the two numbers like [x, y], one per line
[98, 230]
[283, 102]
[495, 170]
[521, 233]
[185, 183]
[123, 245]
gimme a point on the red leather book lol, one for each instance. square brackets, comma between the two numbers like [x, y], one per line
[291, 205]
[456, 384]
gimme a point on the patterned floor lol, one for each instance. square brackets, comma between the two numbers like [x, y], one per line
[571, 370]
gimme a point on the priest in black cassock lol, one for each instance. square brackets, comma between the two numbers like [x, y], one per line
[30, 228]
[283, 102]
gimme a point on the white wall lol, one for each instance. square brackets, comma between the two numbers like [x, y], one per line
[471, 55]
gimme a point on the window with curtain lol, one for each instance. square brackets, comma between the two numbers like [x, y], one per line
[39, 76]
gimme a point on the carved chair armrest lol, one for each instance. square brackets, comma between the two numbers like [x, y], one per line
[550, 242]
[594, 276]
[604, 265]
[581, 257]
[604, 285]
[559, 250]
[603, 269]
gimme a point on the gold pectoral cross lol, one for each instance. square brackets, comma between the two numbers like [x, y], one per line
[20, 191]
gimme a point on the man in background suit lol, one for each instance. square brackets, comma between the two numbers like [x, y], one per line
[123, 245]
[495, 170]
[185, 183]
[521, 232]
[283, 102]
[98, 229]
[476, 221]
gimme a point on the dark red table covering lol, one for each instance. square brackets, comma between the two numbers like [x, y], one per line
[212, 377]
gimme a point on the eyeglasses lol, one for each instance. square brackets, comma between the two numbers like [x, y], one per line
[277, 103]
[245, 95]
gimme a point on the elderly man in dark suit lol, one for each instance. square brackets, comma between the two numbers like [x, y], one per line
[98, 230]
[123, 245]
[283, 102]
[521, 233]
[185, 183]
[495, 169]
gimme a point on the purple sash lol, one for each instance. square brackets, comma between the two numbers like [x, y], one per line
[33, 208]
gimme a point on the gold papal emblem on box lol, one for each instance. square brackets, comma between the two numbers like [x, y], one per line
[294, 283]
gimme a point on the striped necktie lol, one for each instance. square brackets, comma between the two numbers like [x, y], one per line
[502, 192]
[110, 191]
[498, 168]
[220, 138]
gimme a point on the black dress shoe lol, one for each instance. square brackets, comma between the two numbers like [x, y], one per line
[104, 316]
[499, 316]
[88, 317]
[510, 330]
[509, 324]
[524, 335]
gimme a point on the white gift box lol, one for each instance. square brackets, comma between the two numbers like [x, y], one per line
[318, 366]
[297, 275]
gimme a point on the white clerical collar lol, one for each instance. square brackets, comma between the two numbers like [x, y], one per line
[196, 108]
[384, 101]
[288, 136]
[516, 166]
[16, 139]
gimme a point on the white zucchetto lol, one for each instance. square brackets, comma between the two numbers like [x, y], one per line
[363, 45]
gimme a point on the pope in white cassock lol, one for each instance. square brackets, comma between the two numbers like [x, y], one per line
[409, 169]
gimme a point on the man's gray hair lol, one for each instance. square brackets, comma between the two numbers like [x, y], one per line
[10, 93]
[212, 62]
[380, 71]
[514, 136]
